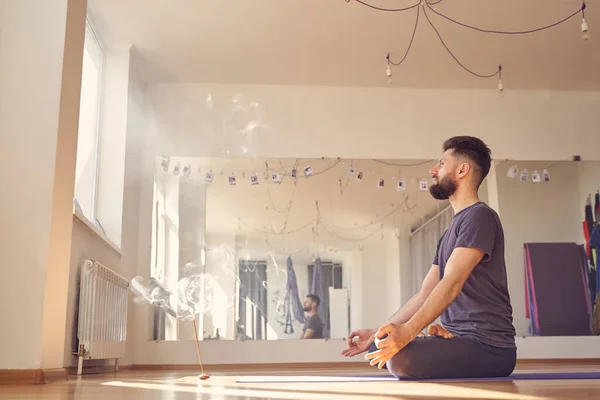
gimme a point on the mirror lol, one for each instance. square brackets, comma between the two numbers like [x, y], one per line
[542, 206]
[242, 242]
[260, 235]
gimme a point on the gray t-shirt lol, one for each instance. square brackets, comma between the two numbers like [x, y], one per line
[314, 323]
[482, 310]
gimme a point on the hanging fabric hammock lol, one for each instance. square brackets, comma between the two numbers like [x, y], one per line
[292, 299]
[322, 291]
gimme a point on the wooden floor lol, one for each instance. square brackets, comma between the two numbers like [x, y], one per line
[175, 385]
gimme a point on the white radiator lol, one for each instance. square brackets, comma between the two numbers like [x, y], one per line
[102, 324]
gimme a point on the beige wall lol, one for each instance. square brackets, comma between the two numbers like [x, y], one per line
[38, 132]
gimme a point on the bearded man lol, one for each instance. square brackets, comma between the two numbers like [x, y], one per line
[466, 286]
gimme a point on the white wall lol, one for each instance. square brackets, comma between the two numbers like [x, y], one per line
[1, 17]
[38, 120]
[28, 205]
[195, 120]
[201, 120]
[542, 212]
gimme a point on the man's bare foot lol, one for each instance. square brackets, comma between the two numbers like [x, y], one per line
[438, 330]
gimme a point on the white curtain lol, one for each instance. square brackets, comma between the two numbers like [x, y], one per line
[423, 244]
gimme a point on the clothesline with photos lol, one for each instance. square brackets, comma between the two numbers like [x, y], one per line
[294, 172]
[536, 176]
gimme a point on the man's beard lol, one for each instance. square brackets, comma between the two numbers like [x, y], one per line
[443, 189]
[307, 308]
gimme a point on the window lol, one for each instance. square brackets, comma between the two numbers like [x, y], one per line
[89, 125]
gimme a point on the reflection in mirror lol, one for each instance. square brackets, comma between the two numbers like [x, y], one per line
[270, 249]
[546, 208]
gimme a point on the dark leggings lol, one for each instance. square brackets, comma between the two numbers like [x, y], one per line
[433, 357]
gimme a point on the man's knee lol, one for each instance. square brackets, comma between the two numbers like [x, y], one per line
[399, 367]
[408, 365]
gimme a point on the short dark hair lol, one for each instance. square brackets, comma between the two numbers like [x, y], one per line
[314, 298]
[473, 149]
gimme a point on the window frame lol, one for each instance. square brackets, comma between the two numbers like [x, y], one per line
[95, 37]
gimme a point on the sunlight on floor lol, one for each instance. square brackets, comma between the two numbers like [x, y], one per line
[326, 389]
[226, 391]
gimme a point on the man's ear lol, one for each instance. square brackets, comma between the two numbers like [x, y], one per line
[463, 169]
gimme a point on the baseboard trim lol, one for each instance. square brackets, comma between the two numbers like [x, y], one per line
[55, 375]
[32, 376]
[98, 369]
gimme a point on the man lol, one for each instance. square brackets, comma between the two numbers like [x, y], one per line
[466, 285]
[313, 328]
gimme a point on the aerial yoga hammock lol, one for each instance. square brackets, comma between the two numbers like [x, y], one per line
[292, 299]
[322, 291]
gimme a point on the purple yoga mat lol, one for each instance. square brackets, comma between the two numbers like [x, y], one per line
[559, 290]
[517, 376]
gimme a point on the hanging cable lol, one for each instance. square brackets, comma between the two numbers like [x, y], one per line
[386, 9]
[580, 10]
[453, 56]
[409, 44]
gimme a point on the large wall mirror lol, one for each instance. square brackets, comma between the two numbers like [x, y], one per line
[242, 244]
[252, 238]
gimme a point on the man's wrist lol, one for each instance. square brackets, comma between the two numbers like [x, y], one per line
[414, 327]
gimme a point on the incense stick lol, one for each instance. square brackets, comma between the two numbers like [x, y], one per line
[203, 376]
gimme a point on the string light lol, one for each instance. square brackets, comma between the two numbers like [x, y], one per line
[584, 29]
[427, 4]
[584, 25]
[500, 87]
[388, 70]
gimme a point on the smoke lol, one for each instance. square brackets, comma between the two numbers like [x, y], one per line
[154, 294]
[194, 295]
[243, 119]
[200, 293]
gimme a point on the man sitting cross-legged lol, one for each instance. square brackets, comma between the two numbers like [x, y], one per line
[466, 286]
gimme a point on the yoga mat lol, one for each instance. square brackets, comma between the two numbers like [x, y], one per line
[379, 378]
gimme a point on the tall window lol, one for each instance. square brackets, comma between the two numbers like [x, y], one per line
[89, 125]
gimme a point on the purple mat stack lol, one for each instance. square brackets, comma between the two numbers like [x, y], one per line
[557, 298]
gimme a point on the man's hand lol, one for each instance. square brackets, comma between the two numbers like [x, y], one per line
[398, 336]
[365, 338]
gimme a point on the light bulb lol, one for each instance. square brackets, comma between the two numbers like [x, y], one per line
[388, 72]
[584, 29]
[500, 88]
